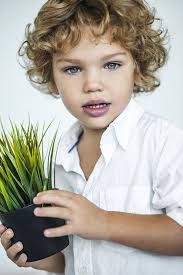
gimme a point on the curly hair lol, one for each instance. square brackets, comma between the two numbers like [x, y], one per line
[59, 25]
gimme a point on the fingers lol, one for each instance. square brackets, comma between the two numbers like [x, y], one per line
[59, 231]
[6, 237]
[55, 197]
[54, 212]
[2, 229]
[22, 261]
[13, 251]
[62, 193]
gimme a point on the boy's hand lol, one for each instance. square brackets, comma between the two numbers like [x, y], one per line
[82, 217]
[14, 252]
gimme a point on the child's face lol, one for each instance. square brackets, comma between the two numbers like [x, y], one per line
[91, 75]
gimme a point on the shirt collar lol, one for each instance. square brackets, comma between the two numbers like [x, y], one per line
[67, 142]
[119, 131]
[126, 122]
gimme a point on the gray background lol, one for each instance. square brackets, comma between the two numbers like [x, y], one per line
[18, 97]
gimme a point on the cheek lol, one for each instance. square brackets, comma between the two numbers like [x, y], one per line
[70, 100]
[68, 87]
[124, 82]
[121, 92]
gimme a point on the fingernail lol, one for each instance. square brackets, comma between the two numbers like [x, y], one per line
[36, 211]
[9, 232]
[36, 200]
[23, 257]
[47, 233]
[19, 245]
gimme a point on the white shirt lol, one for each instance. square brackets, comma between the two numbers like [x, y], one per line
[140, 171]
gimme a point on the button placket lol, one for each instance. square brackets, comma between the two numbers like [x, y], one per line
[83, 270]
[82, 256]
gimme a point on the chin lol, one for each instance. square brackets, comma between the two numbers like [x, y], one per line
[97, 125]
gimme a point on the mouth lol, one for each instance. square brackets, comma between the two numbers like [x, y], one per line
[95, 102]
[97, 106]
[97, 109]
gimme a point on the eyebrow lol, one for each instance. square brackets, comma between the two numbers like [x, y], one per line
[73, 60]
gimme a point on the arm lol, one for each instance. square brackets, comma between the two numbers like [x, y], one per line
[156, 233]
[55, 263]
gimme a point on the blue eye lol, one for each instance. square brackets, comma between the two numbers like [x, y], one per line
[113, 65]
[71, 70]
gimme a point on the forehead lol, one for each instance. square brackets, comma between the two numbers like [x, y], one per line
[91, 46]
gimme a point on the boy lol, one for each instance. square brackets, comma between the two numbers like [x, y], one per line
[119, 168]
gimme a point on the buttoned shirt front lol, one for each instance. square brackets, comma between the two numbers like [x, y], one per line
[139, 171]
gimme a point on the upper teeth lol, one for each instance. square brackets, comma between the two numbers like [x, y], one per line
[97, 106]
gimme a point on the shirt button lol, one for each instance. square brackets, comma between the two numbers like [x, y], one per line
[83, 270]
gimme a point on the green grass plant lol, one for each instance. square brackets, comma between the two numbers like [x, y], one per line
[24, 169]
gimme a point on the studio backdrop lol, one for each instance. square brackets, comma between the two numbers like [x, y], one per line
[18, 98]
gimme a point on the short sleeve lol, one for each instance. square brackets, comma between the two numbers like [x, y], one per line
[168, 180]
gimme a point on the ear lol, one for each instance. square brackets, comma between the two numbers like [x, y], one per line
[138, 80]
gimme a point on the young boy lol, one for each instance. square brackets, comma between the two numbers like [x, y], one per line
[118, 168]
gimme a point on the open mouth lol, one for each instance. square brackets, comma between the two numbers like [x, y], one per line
[97, 106]
[97, 110]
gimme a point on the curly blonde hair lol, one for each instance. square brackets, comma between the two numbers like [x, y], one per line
[59, 25]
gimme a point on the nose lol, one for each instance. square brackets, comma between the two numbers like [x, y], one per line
[92, 82]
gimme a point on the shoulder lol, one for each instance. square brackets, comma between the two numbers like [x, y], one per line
[167, 139]
[160, 136]
[161, 127]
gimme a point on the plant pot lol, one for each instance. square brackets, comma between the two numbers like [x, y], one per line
[29, 228]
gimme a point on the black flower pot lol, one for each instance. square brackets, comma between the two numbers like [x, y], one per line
[29, 228]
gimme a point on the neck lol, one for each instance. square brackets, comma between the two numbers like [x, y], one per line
[92, 136]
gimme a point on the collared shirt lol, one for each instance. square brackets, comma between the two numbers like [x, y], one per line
[139, 171]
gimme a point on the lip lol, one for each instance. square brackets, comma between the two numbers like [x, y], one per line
[98, 112]
[95, 102]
